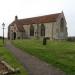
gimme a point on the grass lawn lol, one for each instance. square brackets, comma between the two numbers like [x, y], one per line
[60, 54]
[9, 58]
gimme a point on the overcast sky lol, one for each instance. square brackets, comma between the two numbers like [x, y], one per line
[30, 8]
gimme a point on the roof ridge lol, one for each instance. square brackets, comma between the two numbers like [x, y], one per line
[40, 16]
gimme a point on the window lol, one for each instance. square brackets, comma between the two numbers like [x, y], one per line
[62, 25]
[31, 30]
[42, 30]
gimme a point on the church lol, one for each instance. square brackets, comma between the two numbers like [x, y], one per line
[52, 26]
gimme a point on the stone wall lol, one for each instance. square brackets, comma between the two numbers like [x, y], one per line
[27, 30]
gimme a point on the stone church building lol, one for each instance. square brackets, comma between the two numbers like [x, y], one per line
[52, 26]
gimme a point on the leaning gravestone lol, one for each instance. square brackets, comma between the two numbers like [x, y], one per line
[6, 69]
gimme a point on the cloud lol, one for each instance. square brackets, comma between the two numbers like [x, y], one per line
[30, 8]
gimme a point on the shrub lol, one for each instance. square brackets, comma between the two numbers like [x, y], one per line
[72, 39]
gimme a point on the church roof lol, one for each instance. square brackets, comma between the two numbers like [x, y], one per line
[35, 20]
[40, 19]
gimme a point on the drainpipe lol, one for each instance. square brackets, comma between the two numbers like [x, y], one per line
[52, 30]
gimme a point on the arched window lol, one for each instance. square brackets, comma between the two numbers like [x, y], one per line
[62, 25]
[42, 30]
[31, 30]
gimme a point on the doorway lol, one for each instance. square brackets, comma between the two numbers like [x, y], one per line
[14, 37]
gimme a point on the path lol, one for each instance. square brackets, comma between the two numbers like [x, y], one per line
[33, 65]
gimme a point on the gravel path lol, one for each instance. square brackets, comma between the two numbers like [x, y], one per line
[33, 65]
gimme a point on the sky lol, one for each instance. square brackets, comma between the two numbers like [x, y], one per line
[31, 8]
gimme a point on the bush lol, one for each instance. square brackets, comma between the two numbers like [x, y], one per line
[1, 37]
[72, 39]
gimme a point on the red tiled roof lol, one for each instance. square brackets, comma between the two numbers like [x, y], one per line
[40, 19]
[36, 20]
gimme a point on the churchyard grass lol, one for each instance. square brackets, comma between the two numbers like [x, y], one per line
[6, 56]
[58, 53]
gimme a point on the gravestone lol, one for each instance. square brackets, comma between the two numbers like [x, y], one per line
[44, 41]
